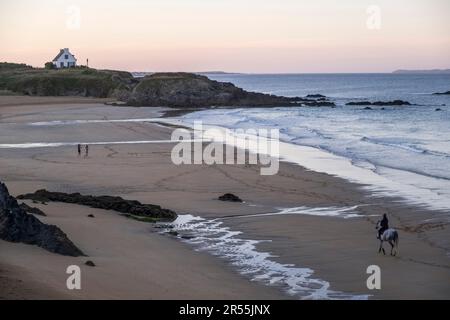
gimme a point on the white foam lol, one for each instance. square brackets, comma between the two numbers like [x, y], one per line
[211, 236]
[345, 213]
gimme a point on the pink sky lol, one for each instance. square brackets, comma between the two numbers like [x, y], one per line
[261, 36]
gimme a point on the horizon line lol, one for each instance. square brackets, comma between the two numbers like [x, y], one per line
[398, 71]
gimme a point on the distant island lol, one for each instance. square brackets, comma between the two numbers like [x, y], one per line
[430, 71]
[216, 72]
[141, 74]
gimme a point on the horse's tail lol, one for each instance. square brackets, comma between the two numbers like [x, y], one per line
[396, 241]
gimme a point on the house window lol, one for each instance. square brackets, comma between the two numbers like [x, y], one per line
[62, 64]
[66, 56]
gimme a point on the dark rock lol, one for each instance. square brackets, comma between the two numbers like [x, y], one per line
[359, 103]
[188, 237]
[32, 210]
[229, 197]
[315, 96]
[438, 109]
[442, 93]
[379, 103]
[90, 263]
[173, 233]
[132, 207]
[392, 103]
[91, 216]
[189, 90]
[319, 103]
[18, 226]
[367, 108]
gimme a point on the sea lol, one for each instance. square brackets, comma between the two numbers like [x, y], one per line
[401, 151]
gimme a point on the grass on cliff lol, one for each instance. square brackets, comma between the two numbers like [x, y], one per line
[84, 81]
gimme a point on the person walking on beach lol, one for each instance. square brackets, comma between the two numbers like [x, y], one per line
[79, 149]
[86, 148]
[384, 225]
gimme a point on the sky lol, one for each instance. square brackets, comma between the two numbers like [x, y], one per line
[254, 36]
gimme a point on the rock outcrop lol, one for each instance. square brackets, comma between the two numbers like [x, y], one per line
[442, 93]
[130, 207]
[230, 198]
[18, 226]
[189, 90]
[90, 263]
[379, 103]
[32, 210]
[316, 96]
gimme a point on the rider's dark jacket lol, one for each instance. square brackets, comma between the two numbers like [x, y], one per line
[384, 223]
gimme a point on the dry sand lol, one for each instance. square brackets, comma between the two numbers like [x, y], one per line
[134, 261]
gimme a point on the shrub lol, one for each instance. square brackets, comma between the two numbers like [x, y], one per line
[49, 65]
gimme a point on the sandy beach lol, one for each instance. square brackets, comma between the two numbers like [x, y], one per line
[135, 261]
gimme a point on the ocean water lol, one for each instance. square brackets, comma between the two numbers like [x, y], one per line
[403, 151]
[214, 237]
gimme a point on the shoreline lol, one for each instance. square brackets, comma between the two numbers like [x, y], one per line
[324, 252]
[326, 161]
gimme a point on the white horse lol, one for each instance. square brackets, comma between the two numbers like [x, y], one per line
[391, 236]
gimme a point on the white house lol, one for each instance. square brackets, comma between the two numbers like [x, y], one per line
[64, 59]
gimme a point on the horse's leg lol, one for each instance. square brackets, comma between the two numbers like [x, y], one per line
[392, 246]
[381, 247]
[396, 245]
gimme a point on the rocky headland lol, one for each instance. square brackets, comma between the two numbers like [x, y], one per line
[193, 90]
[16, 225]
[181, 90]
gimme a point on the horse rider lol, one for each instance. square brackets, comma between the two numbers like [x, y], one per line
[384, 225]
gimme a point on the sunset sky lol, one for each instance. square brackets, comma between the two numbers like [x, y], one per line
[260, 36]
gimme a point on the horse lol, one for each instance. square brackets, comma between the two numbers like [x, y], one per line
[389, 235]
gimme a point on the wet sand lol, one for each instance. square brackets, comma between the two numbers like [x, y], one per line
[149, 265]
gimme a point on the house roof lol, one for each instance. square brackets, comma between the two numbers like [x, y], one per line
[61, 52]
